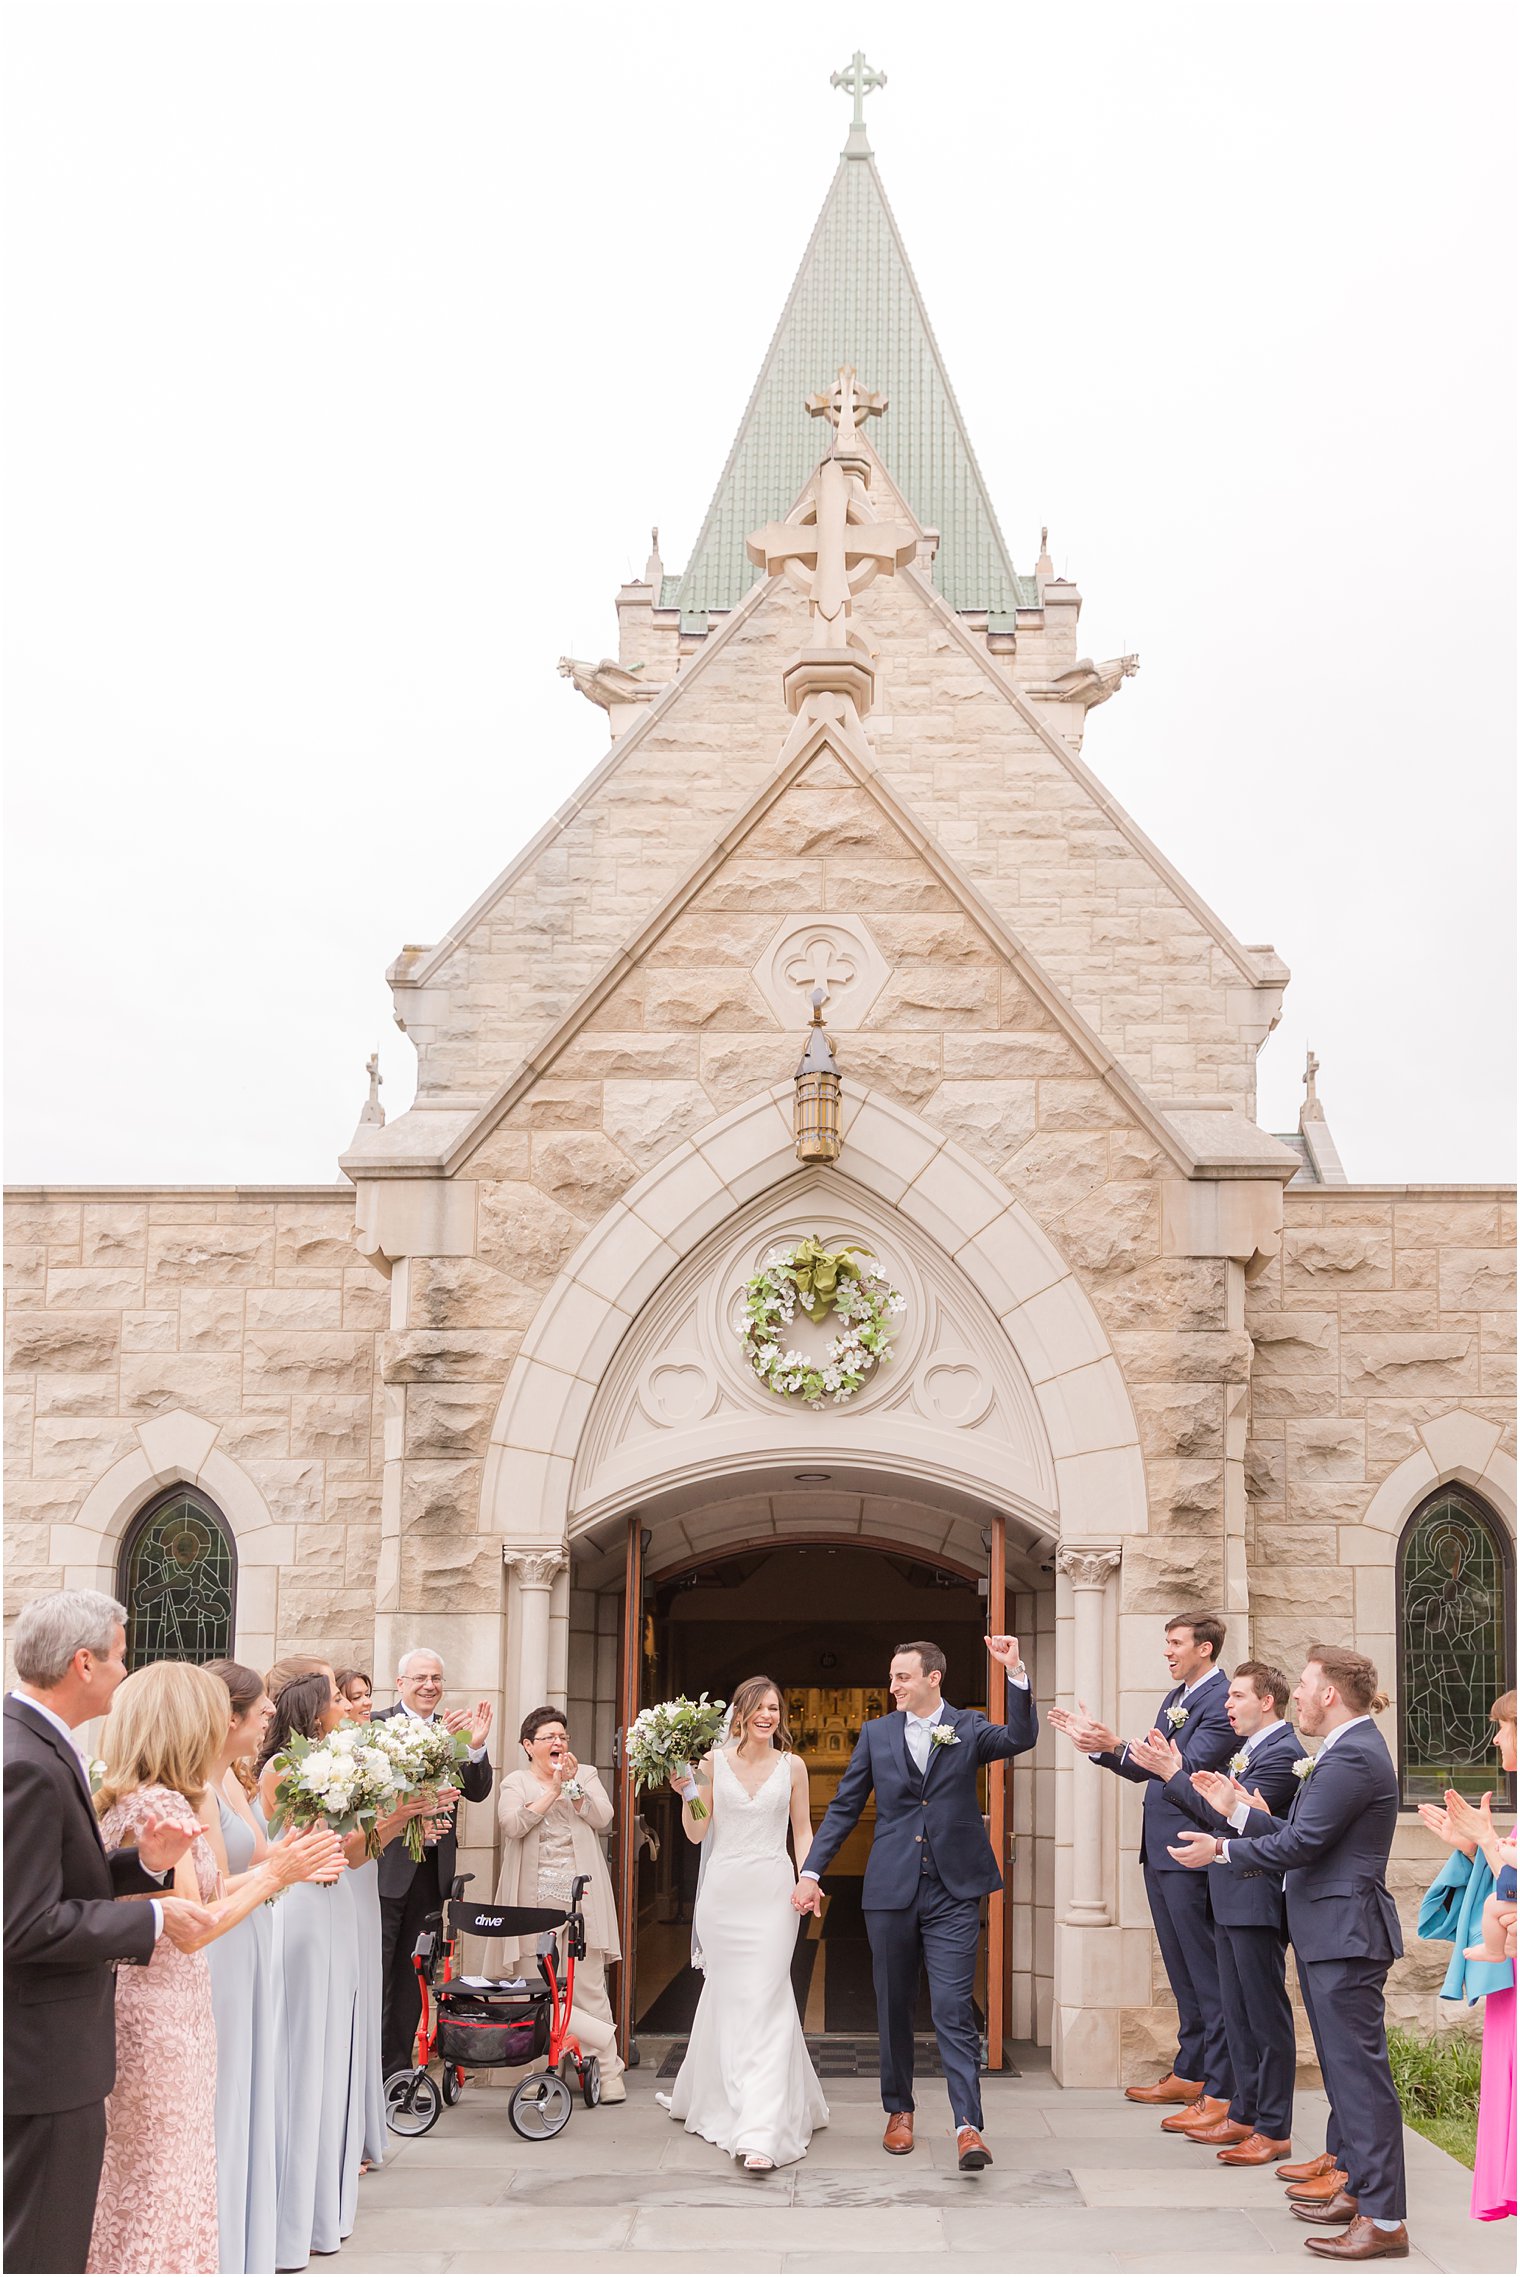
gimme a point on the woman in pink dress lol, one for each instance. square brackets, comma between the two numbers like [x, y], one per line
[157, 2204]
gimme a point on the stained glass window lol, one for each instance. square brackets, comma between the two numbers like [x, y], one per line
[1456, 1647]
[179, 1581]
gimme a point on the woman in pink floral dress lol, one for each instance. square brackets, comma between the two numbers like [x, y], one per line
[157, 2204]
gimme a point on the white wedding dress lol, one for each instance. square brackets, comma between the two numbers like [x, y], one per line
[748, 2082]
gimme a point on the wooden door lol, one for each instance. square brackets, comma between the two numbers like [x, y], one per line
[631, 1661]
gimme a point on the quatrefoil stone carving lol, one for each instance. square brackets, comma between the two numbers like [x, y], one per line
[836, 954]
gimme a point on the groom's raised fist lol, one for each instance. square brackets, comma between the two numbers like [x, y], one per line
[1005, 1650]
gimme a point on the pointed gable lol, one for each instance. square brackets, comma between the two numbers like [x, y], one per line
[856, 301]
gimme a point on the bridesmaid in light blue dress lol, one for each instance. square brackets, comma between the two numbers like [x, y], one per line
[319, 2031]
[242, 2001]
[358, 1691]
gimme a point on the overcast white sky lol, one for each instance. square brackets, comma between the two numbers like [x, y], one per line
[354, 348]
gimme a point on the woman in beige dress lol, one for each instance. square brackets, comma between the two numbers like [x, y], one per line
[553, 1814]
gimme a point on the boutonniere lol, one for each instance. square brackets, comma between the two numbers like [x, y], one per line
[1238, 1761]
[1304, 1765]
[97, 1771]
[944, 1735]
[1177, 1716]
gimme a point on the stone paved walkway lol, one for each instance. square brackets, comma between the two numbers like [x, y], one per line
[1082, 2181]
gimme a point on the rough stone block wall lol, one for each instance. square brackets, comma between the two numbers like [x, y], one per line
[247, 1307]
[1389, 1308]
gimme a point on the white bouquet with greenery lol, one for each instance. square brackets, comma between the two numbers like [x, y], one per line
[344, 1781]
[665, 1741]
[422, 1756]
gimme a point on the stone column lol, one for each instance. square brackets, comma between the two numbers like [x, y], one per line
[1089, 1572]
[531, 1575]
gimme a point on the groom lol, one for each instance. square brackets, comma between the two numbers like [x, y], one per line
[929, 1869]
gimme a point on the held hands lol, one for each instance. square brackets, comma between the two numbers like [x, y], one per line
[1005, 1651]
[1193, 1850]
[807, 1897]
[186, 1924]
[1083, 1729]
[476, 1721]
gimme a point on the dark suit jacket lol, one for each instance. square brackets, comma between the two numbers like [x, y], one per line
[397, 1865]
[63, 1927]
[941, 1808]
[1207, 1743]
[1253, 1897]
[1333, 1852]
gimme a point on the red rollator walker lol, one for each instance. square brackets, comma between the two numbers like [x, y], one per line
[496, 2023]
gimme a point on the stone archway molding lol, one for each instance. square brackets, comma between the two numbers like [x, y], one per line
[906, 1162]
[1457, 1448]
[180, 1449]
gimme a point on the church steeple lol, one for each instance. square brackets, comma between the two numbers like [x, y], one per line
[856, 302]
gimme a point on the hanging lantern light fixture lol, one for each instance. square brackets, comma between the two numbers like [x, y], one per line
[816, 1113]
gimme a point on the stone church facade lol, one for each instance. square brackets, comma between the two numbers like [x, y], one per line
[1155, 1356]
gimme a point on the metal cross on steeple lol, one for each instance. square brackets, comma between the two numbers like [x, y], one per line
[858, 79]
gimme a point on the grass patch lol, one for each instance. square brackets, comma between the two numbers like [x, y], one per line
[1437, 2080]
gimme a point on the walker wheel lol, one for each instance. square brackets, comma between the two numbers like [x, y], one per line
[412, 2102]
[540, 2106]
[452, 2083]
[591, 2082]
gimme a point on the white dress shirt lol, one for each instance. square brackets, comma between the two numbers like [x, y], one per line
[50, 1715]
[919, 1742]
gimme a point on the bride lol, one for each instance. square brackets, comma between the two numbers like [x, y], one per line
[748, 2083]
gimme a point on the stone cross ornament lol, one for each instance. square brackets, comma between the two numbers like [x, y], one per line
[834, 546]
[858, 79]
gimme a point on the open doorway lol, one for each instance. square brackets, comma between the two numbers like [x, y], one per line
[823, 1620]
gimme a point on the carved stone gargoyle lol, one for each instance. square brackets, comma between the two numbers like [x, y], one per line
[1087, 684]
[615, 687]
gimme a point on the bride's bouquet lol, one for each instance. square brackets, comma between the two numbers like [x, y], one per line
[421, 1755]
[665, 1741]
[344, 1781]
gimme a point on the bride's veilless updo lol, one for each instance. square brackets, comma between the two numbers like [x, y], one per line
[747, 1698]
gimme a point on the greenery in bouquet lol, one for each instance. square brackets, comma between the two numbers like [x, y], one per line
[343, 1781]
[423, 1756]
[669, 1739]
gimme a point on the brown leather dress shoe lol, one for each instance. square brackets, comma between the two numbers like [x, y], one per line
[1218, 2131]
[898, 2138]
[1323, 2187]
[1168, 2090]
[971, 2153]
[1256, 2150]
[1364, 2241]
[1206, 2112]
[1341, 2208]
[1307, 2169]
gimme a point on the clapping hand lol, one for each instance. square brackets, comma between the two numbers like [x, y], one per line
[162, 1842]
[1440, 1822]
[476, 1721]
[1083, 1729]
[1161, 1756]
[1473, 1822]
[1193, 1850]
[1005, 1651]
[315, 1856]
[564, 1766]
[1219, 1791]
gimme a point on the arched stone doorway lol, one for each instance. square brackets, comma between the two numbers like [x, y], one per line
[629, 1404]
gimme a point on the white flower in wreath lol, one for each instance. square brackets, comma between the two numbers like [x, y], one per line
[1177, 1716]
[944, 1735]
[1304, 1765]
[863, 1302]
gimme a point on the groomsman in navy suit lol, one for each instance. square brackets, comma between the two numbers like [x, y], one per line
[1250, 1926]
[1332, 1851]
[1192, 1714]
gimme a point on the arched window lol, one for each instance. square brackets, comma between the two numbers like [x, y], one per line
[178, 1581]
[1456, 1646]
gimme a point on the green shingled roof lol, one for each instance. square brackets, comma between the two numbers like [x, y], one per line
[856, 301]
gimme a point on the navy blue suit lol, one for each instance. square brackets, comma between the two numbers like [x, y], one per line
[1332, 1851]
[929, 1869]
[1179, 1901]
[1251, 1946]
